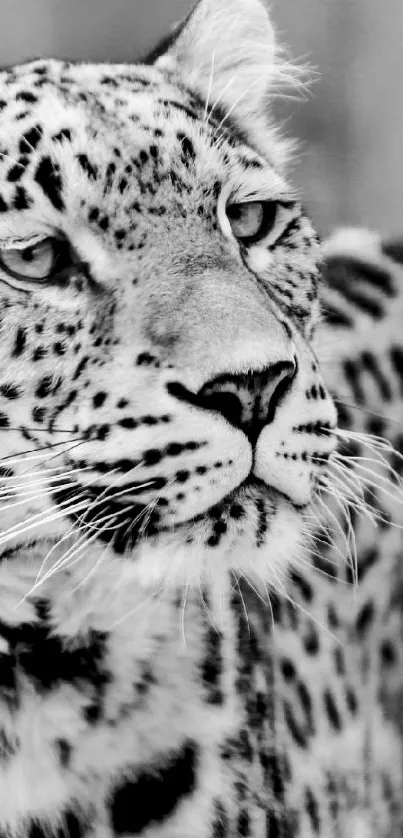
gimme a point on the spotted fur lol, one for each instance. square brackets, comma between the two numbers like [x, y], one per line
[176, 658]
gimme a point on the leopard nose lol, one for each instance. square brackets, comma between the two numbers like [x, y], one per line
[247, 400]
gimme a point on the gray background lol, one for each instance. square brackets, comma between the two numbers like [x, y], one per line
[350, 164]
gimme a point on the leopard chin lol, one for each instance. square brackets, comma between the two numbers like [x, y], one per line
[262, 545]
[254, 531]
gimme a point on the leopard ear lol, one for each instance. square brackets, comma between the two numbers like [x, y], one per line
[226, 51]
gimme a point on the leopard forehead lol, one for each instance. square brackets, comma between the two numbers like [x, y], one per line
[85, 127]
[119, 112]
[106, 122]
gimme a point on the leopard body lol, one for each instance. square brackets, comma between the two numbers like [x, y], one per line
[185, 650]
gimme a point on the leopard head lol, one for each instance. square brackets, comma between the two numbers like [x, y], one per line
[159, 293]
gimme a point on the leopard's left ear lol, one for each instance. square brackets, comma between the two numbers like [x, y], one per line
[226, 51]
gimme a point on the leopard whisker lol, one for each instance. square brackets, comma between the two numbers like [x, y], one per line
[208, 611]
[34, 521]
[99, 499]
[346, 499]
[155, 594]
[372, 441]
[242, 601]
[34, 454]
[64, 537]
[76, 524]
[365, 507]
[358, 463]
[370, 481]
[150, 509]
[23, 428]
[72, 528]
[58, 565]
[350, 484]
[325, 542]
[238, 100]
[271, 614]
[104, 494]
[41, 474]
[368, 410]
[91, 505]
[327, 528]
[92, 570]
[295, 604]
[343, 492]
[351, 551]
[12, 160]
[248, 581]
[35, 517]
[147, 512]
[183, 609]
[82, 542]
[133, 521]
[147, 516]
[42, 576]
[91, 526]
[210, 85]
[306, 563]
[90, 573]
[129, 490]
[220, 95]
[377, 451]
[28, 494]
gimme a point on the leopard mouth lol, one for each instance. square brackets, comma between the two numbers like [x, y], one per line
[123, 522]
[258, 485]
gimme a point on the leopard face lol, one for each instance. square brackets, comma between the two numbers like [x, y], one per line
[158, 284]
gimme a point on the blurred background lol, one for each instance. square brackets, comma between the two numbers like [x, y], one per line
[351, 127]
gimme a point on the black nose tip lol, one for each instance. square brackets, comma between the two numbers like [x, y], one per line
[249, 400]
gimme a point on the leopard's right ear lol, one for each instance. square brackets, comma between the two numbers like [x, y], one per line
[226, 51]
[226, 47]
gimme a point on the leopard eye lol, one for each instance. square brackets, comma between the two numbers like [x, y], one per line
[35, 262]
[251, 220]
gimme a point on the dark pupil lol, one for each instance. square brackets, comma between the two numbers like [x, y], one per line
[235, 211]
[270, 212]
[28, 255]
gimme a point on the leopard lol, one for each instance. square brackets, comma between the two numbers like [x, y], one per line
[201, 457]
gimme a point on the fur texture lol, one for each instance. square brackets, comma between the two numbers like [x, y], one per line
[176, 656]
